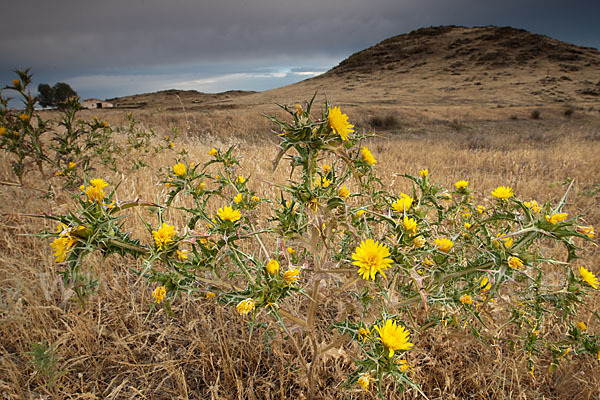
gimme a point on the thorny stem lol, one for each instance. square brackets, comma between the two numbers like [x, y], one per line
[259, 240]
[241, 264]
[294, 343]
[417, 297]
[129, 246]
[311, 370]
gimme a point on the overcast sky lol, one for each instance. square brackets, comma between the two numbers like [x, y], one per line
[108, 48]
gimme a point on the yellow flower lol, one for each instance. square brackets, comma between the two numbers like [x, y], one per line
[240, 179]
[371, 257]
[343, 192]
[363, 333]
[291, 250]
[72, 164]
[62, 246]
[444, 244]
[291, 275]
[326, 167]
[394, 337]
[182, 255]
[428, 261]
[533, 205]
[255, 199]
[104, 123]
[359, 213]
[515, 262]
[466, 299]
[446, 195]
[589, 277]
[201, 186]
[339, 123]
[245, 306]
[2, 130]
[586, 230]
[272, 267]
[16, 82]
[210, 295]
[212, 152]
[403, 203]
[229, 214]
[159, 294]
[238, 198]
[467, 226]
[164, 235]
[364, 380]
[410, 225]
[503, 192]
[556, 218]
[23, 117]
[322, 181]
[581, 326]
[179, 169]
[419, 242]
[367, 156]
[480, 209]
[506, 241]
[461, 184]
[95, 190]
[485, 284]
[404, 366]
[423, 173]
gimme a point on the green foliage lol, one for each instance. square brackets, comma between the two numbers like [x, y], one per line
[55, 96]
[71, 147]
[45, 96]
[45, 360]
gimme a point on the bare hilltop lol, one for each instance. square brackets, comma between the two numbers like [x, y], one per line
[447, 66]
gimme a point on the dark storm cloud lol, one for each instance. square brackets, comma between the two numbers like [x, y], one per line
[139, 45]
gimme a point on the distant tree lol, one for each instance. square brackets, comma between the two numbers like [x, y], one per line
[45, 95]
[56, 95]
[61, 92]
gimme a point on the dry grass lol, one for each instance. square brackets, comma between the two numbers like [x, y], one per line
[115, 349]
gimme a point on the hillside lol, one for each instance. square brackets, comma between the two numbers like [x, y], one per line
[453, 65]
[436, 74]
[173, 99]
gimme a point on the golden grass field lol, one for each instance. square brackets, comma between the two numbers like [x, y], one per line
[114, 349]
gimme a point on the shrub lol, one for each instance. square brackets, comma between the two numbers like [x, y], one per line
[387, 122]
[535, 114]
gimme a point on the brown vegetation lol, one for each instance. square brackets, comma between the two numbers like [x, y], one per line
[115, 349]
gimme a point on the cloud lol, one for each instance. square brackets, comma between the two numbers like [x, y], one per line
[114, 85]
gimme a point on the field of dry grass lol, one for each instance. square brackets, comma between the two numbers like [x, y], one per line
[115, 349]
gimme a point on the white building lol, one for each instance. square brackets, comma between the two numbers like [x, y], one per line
[96, 103]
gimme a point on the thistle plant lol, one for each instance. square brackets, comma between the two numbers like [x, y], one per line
[69, 148]
[19, 135]
[402, 263]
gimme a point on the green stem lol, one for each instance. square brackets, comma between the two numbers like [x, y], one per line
[241, 265]
[129, 246]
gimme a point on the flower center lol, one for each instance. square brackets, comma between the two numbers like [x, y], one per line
[371, 260]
